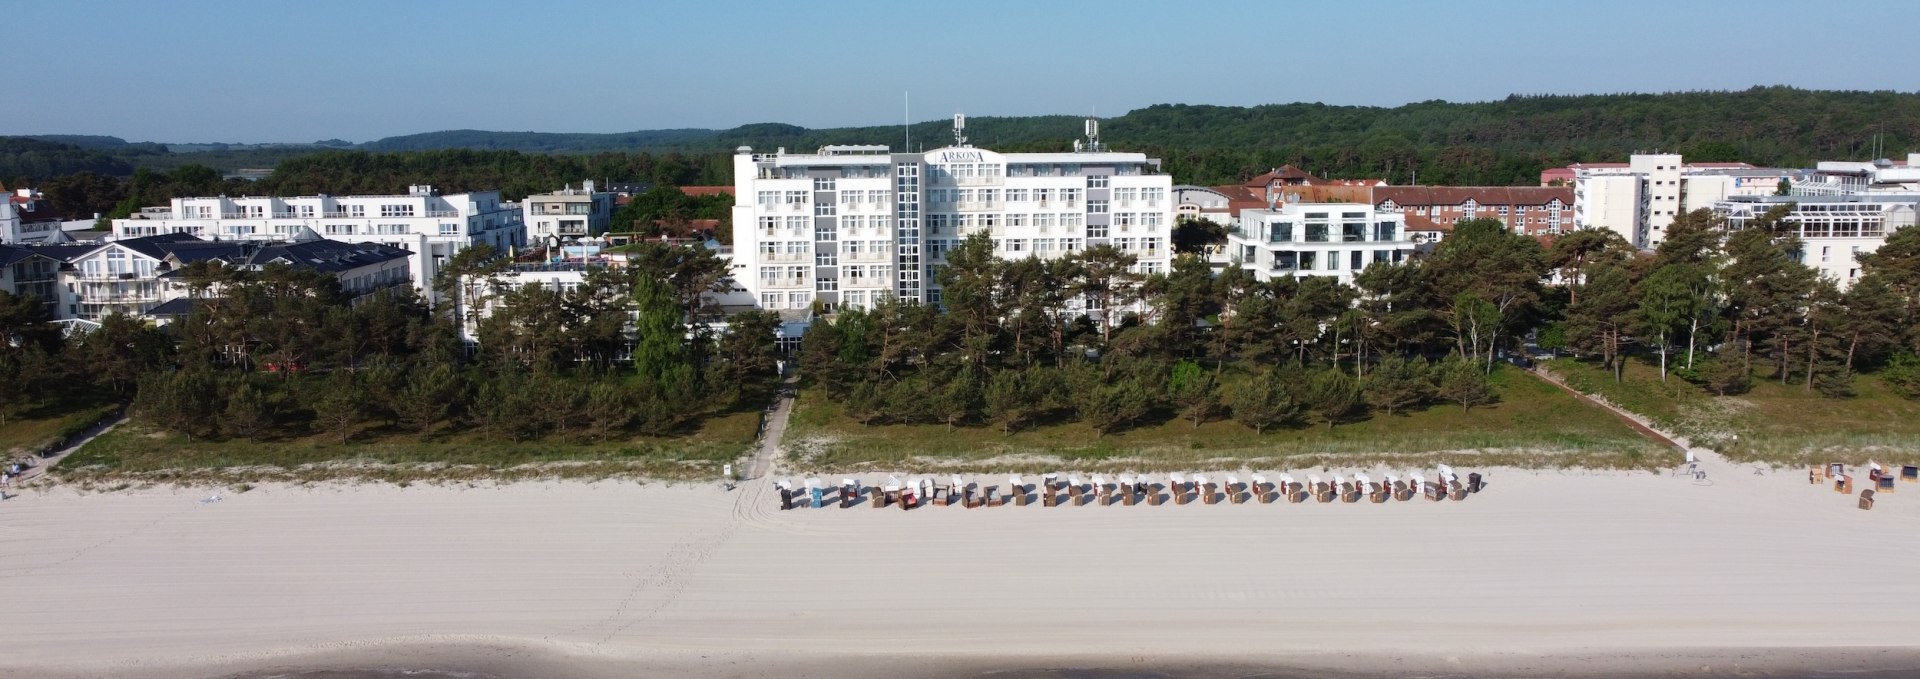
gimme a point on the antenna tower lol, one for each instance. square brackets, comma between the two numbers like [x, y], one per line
[959, 129]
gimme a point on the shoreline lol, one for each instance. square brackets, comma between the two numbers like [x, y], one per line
[1593, 573]
[518, 659]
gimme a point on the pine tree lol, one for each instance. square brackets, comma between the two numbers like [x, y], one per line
[1464, 383]
[1331, 395]
[1397, 384]
[1193, 390]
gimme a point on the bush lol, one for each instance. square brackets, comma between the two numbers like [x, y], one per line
[1725, 377]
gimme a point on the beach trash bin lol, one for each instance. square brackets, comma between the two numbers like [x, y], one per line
[1473, 482]
[786, 498]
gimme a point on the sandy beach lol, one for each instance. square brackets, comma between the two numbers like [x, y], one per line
[1568, 573]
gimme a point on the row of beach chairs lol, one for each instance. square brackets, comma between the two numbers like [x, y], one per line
[1128, 489]
[1879, 479]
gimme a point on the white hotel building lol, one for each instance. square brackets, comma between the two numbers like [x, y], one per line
[849, 225]
[1318, 239]
[431, 226]
[1834, 230]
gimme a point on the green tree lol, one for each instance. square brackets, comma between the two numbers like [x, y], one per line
[1193, 391]
[1331, 395]
[1464, 383]
[1667, 305]
[1397, 384]
[248, 414]
[179, 401]
[340, 406]
[1263, 401]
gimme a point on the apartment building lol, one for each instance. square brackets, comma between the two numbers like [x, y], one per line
[1834, 178]
[1640, 199]
[1834, 230]
[26, 217]
[136, 276]
[1539, 211]
[31, 272]
[567, 214]
[431, 226]
[1318, 239]
[847, 226]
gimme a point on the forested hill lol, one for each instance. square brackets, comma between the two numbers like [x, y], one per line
[1492, 142]
[1497, 142]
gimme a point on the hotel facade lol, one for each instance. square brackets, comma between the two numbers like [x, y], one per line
[431, 226]
[848, 226]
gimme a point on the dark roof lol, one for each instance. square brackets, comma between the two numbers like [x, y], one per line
[156, 247]
[66, 252]
[176, 307]
[10, 254]
[326, 256]
[35, 210]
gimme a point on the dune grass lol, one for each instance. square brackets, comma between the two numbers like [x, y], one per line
[49, 422]
[1773, 423]
[141, 453]
[1534, 424]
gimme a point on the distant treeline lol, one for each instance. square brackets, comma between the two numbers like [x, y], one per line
[1497, 143]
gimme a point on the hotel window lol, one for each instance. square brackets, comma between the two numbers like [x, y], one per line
[1070, 244]
[828, 258]
[794, 197]
[1041, 196]
[826, 284]
[771, 300]
[825, 232]
[449, 229]
[1016, 245]
[1043, 245]
[1125, 195]
[1098, 207]
[1070, 196]
[339, 229]
[1016, 221]
[1071, 220]
[769, 248]
[823, 183]
[824, 209]
[850, 198]
[1017, 195]
[1152, 221]
[396, 210]
[1097, 231]
[1098, 181]
[989, 195]
[1043, 222]
[769, 199]
[1502, 210]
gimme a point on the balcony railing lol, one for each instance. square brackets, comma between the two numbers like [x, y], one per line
[977, 206]
[994, 180]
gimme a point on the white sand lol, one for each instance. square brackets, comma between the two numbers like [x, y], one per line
[154, 583]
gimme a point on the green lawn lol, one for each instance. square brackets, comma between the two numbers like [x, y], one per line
[48, 423]
[138, 452]
[1776, 423]
[1535, 424]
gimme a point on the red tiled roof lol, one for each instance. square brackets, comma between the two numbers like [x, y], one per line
[1422, 223]
[1285, 174]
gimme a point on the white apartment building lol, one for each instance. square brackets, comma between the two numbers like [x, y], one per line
[849, 225]
[1834, 230]
[567, 214]
[1639, 200]
[1833, 178]
[136, 276]
[431, 226]
[1318, 239]
[28, 218]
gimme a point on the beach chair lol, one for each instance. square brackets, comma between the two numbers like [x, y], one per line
[1866, 499]
[1835, 469]
[1434, 492]
[1123, 487]
[1816, 475]
[879, 497]
[1457, 492]
[1843, 484]
[1018, 489]
[1233, 489]
[1377, 493]
[1261, 490]
[1322, 490]
[1909, 473]
[1884, 484]
[1203, 489]
[993, 498]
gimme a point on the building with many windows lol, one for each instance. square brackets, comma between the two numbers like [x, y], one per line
[1640, 199]
[1318, 239]
[1531, 210]
[431, 226]
[31, 272]
[135, 276]
[1834, 230]
[567, 214]
[28, 218]
[848, 226]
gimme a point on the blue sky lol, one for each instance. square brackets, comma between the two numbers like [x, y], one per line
[258, 71]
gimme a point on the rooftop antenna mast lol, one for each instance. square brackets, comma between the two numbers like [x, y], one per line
[1093, 134]
[906, 118]
[959, 129]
